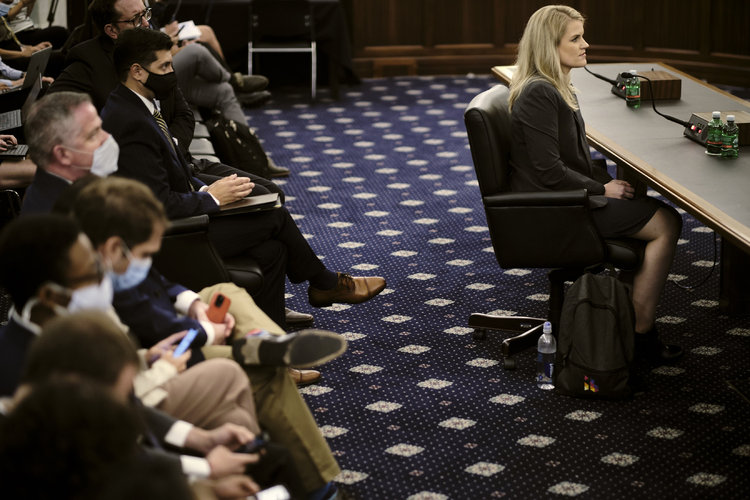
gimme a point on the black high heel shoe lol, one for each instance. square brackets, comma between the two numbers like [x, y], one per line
[650, 348]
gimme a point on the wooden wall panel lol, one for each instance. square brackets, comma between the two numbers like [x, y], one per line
[707, 38]
[672, 24]
[729, 26]
[462, 22]
[611, 24]
[388, 22]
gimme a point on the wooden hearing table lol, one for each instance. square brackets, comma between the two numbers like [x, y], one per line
[651, 150]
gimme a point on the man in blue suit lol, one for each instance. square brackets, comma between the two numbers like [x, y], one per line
[147, 153]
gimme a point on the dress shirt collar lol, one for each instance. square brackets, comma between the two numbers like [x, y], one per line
[32, 327]
[150, 105]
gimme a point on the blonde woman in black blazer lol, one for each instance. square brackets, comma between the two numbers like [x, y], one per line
[549, 152]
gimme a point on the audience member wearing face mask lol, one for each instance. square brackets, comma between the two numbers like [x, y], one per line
[67, 142]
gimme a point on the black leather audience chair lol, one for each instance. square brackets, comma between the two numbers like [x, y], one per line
[188, 257]
[552, 229]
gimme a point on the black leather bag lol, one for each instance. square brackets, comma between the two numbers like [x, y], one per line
[236, 145]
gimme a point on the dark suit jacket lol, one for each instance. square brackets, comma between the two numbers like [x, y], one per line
[549, 151]
[145, 155]
[90, 69]
[42, 193]
[15, 341]
[148, 309]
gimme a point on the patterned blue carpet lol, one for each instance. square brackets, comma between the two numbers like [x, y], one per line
[383, 183]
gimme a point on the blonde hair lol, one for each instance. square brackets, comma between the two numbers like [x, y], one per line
[538, 57]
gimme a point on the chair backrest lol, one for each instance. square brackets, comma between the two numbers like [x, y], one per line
[10, 206]
[552, 229]
[487, 122]
[281, 20]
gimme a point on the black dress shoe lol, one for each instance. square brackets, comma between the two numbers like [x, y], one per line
[295, 318]
[648, 347]
[276, 171]
[253, 99]
[248, 83]
[297, 350]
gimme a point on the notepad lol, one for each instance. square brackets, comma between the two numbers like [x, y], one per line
[188, 31]
[251, 204]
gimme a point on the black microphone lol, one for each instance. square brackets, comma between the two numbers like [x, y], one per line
[627, 75]
[600, 77]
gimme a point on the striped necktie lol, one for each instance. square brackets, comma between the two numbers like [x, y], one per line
[163, 126]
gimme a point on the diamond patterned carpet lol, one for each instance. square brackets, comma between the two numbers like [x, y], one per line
[383, 183]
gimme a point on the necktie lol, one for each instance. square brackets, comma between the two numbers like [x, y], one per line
[163, 126]
[164, 130]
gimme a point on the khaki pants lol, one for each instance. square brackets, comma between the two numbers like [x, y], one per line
[210, 394]
[280, 407]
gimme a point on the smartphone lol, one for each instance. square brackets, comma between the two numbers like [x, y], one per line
[218, 308]
[253, 446]
[185, 343]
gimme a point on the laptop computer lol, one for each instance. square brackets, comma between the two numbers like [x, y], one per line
[17, 152]
[37, 65]
[16, 118]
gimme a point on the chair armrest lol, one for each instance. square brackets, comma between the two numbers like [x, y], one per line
[549, 229]
[572, 198]
[187, 225]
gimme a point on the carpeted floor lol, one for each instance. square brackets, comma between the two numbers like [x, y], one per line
[383, 184]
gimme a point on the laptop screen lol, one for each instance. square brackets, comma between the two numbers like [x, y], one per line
[33, 94]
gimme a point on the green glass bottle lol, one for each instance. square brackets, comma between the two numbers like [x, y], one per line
[714, 131]
[730, 139]
[633, 91]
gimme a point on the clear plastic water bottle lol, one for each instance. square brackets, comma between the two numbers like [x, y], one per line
[714, 134]
[730, 139]
[633, 91]
[545, 361]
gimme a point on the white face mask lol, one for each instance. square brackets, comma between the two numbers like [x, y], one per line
[105, 158]
[96, 297]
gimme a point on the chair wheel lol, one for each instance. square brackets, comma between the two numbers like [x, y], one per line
[479, 334]
[509, 364]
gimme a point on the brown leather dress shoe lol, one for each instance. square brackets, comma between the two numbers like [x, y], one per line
[348, 290]
[304, 377]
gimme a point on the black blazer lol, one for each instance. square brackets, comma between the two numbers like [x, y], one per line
[42, 193]
[91, 69]
[15, 342]
[145, 155]
[549, 151]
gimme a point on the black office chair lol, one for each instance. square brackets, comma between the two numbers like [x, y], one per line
[551, 229]
[10, 206]
[282, 26]
[189, 258]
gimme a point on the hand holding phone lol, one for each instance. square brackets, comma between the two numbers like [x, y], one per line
[218, 307]
[185, 343]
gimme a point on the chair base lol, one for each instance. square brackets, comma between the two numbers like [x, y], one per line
[528, 330]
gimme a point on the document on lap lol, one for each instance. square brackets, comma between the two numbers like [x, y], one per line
[251, 204]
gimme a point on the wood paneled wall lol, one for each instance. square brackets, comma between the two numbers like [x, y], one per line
[709, 39]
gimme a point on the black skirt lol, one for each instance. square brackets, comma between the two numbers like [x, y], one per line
[620, 218]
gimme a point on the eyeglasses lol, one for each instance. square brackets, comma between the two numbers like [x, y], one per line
[136, 21]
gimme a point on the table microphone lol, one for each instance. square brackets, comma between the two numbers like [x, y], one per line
[600, 77]
[626, 75]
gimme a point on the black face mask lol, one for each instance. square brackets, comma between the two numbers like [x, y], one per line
[161, 85]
